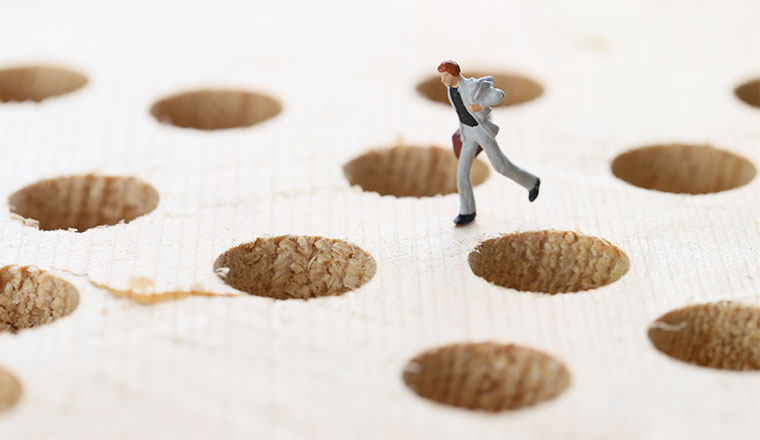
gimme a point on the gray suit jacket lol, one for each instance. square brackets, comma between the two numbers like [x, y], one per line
[481, 91]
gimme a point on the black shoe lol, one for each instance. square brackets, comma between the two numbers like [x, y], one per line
[533, 194]
[463, 219]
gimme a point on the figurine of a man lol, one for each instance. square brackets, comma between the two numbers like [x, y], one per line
[472, 99]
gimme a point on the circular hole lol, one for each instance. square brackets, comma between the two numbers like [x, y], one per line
[517, 89]
[290, 266]
[749, 92]
[681, 168]
[486, 376]
[215, 109]
[548, 261]
[35, 83]
[410, 171]
[84, 202]
[10, 389]
[723, 335]
[30, 297]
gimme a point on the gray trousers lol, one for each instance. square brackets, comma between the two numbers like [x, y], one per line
[471, 138]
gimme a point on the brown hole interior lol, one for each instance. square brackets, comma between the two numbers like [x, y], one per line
[35, 83]
[517, 89]
[215, 109]
[410, 171]
[486, 376]
[749, 92]
[30, 297]
[10, 389]
[682, 168]
[723, 335]
[548, 261]
[290, 266]
[83, 202]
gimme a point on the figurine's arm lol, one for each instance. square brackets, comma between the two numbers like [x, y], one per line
[491, 97]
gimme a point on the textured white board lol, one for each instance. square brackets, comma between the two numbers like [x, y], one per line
[616, 76]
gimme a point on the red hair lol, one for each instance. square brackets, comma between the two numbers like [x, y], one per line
[449, 66]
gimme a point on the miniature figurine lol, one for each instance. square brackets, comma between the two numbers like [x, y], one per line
[472, 99]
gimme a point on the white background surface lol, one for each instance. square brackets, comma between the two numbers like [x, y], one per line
[617, 75]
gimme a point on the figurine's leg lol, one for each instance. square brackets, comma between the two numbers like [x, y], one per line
[502, 164]
[464, 184]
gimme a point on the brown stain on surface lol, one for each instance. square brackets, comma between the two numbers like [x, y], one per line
[141, 291]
